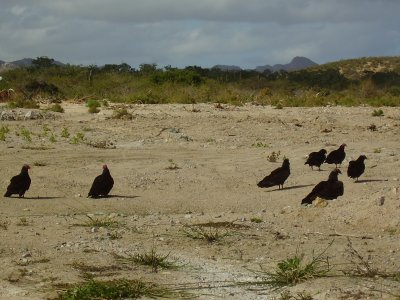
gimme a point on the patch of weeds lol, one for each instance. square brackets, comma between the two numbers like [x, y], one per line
[3, 132]
[65, 133]
[172, 165]
[377, 150]
[23, 104]
[360, 266]
[89, 271]
[274, 156]
[372, 127]
[52, 138]
[100, 222]
[279, 106]
[151, 258]
[211, 140]
[93, 106]
[23, 222]
[209, 234]
[378, 113]
[39, 164]
[4, 225]
[256, 220]
[293, 270]
[25, 134]
[56, 108]
[101, 144]
[287, 295]
[118, 289]
[122, 113]
[114, 235]
[259, 144]
[46, 130]
[78, 138]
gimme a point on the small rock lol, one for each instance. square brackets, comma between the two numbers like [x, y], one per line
[27, 254]
[188, 216]
[94, 229]
[395, 190]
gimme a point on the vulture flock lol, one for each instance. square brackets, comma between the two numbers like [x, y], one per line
[329, 189]
[101, 185]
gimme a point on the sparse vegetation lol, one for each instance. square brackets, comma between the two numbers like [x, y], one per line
[377, 150]
[122, 114]
[151, 258]
[210, 234]
[256, 220]
[3, 132]
[78, 138]
[100, 222]
[23, 222]
[56, 108]
[4, 224]
[118, 289]
[294, 270]
[172, 165]
[274, 156]
[93, 106]
[259, 144]
[65, 133]
[378, 113]
[22, 103]
[25, 134]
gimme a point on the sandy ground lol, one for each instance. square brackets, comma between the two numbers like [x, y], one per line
[178, 165]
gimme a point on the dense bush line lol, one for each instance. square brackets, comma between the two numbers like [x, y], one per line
[322, 85]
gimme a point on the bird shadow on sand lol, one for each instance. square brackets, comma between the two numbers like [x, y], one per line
[37, 198]
[370, 180]
[291, 187]
[117, 196]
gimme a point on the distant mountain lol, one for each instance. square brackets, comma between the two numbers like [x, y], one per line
[297, 63]
[25, 62]
[22, 63]
[227, 68]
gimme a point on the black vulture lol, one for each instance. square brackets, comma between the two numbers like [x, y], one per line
[336, 156]
[316, 159]
[102, 184]
[356, 167]
[328, 190]
[277, 176]
[20, 183]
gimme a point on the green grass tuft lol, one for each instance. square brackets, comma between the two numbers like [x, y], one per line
[152, 258]
[118, 289]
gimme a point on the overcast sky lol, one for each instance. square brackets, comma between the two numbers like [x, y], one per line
[198, 32]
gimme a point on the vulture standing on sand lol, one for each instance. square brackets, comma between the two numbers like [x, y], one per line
[336, 156]
[316, 159]
[20, 183]
[328, 190]
[102, 184]
[277, 176]
[356, 167]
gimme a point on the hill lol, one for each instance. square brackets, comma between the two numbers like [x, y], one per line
[359, 67]
[297, 63]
